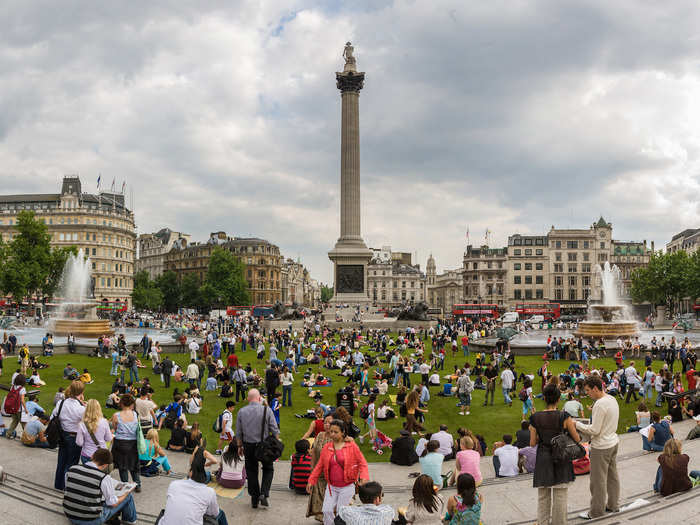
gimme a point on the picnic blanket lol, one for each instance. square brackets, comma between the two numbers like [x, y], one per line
[224, 492]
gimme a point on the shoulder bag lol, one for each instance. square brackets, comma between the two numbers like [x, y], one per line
[54, 431]
[269, 448]
[564, 448]
[141, 446]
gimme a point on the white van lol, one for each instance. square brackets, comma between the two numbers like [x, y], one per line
[509, 317]
[536, 319]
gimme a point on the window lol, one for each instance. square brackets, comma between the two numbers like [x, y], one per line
[586, 268]
[528, 242]
[586, 245]
[572, 294]
[558, 280]
[517, 294]
[538, 266]
[572, 245]
[602, 245]
[528, 279]
[538, 251]
[602, 257]
[572, 280]
[528, 266]
[557, 256]
[539, 294]
[572, 256]
[557, 244]
[528, 294]
[558, 268]
[517, 242]
[539, 279]
[102, 280]
[475, 265]
[586, 294]
[403, 285]
[517, 266]
[517, 252]
[586, 280]
[572, 268]
[558, 295]
[539, 241]
[517, 279]
[528, 251]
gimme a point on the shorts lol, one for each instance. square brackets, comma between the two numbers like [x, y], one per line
[226, 436]
[465, 399]
[527, 406]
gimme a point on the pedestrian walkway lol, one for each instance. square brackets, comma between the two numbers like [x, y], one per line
[28, 496]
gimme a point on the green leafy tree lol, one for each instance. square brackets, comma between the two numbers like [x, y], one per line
[326, 293]
[189, 291]
[170, 289]
[665, 281]
[225, 283]
[146, 295]
[30, 267]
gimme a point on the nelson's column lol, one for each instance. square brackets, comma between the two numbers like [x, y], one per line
[350, 255]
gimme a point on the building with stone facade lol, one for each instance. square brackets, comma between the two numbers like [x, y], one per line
[152, 248]
[628, 256]
[298, 286]
[484, 273]
[262, 260]
[99, 224]
[527, 269]
[392, 279]
[688, 240]
[445, 290]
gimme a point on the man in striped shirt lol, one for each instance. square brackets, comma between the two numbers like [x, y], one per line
[90, 496]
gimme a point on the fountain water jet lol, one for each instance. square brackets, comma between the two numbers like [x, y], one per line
[611, 319]
[77, 311]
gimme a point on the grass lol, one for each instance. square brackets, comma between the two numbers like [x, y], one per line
[491, 422]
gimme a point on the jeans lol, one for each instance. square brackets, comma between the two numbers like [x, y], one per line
[497, 466]
[465, 350]
[133, 374]
[255, 489]
[648, 391]
[506, 396]
[490, 388]
[286, 395]
[68, 455]
[126, 508]
[396, 376]
[650, 445]
[659, 398]
[657, 480]
[115, 369]
[551, 505]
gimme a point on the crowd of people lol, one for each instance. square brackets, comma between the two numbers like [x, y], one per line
[327, 463]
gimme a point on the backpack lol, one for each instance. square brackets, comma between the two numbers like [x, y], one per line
[54, 431]
[523, 395]
[13, 401]
[364, 412]
[171, 416]
[218, 424]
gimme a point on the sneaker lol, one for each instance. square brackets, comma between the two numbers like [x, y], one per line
[264, 502]
[467, 413]
[585, 516]
[218, 452]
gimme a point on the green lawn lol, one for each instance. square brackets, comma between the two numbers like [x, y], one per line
[491, 422]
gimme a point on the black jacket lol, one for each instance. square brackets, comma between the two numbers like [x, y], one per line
[403, 451]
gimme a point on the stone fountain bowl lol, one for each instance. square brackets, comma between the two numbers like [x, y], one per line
[607, 312]
[80, 319]
[608, 327]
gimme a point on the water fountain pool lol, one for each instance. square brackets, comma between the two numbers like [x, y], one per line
[77, 313]
[611, 319]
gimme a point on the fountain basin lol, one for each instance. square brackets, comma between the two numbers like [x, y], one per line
[607, 329]
[81, 327]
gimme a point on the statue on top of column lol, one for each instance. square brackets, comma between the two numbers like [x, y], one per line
[347, 54]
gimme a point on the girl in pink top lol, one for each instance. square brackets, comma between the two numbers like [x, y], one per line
[93, 431]
[467, 461]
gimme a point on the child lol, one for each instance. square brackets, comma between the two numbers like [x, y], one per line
[301, 467]
[465, 506]
[85, 377]
[231, 473]
[275, 407]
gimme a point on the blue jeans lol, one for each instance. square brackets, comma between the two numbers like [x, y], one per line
[68, 455]
[286, 395]
[465, 350]
[396, 376]
[650, 445]
[126, 508]
[115, 369]
[659, 399]
[133, 373]
[506, 396]
[657, 481]
[497, 466]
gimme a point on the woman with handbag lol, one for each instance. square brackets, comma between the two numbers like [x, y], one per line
[343, 466]
[93, 432]
[552, 474]
[315, 505]
[127, 431]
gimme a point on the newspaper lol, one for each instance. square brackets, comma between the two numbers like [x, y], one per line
[123, 488]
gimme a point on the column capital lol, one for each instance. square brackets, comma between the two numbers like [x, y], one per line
[350, 81]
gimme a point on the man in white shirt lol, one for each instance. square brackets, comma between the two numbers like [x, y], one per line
[192, 373]
[194, 347]
[604, 480]
[446, 441]
[189, 500]
[507, 379]
[633, 382]
[505, 458]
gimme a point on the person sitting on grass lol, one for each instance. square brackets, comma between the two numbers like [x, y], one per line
[177, 437]
[85, 377]
[33, 433]
[226, 389]
[69, 372]
[300, 467]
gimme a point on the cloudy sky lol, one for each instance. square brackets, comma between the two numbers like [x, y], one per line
[508, 115]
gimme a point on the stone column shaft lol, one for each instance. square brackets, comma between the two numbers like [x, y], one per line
[350, 228]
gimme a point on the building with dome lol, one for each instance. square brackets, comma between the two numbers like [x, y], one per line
[445, 290]
[393, 280]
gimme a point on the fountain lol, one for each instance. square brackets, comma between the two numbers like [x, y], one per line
[77, 311]
[612, 318]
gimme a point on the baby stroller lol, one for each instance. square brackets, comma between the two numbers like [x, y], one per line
[381, 441]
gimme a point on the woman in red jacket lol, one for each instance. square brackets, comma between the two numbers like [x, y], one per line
[343, 465]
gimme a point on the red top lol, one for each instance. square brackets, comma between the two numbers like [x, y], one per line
[354, 464]
[337, 477]
[318, 427]
[232, 360]
[692, 382]
[465, 340]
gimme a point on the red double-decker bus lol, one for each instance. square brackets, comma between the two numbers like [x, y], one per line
[480, 311]
[548, 310]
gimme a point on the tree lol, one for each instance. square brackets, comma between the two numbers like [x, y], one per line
[29, 265]
[146, 295]
[170, 289]
[189, 291]
[326, 293]
[225, 282]
[668, 278]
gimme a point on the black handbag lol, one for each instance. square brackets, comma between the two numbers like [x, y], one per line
[564, 448]
[54, 431]
[270, 448]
